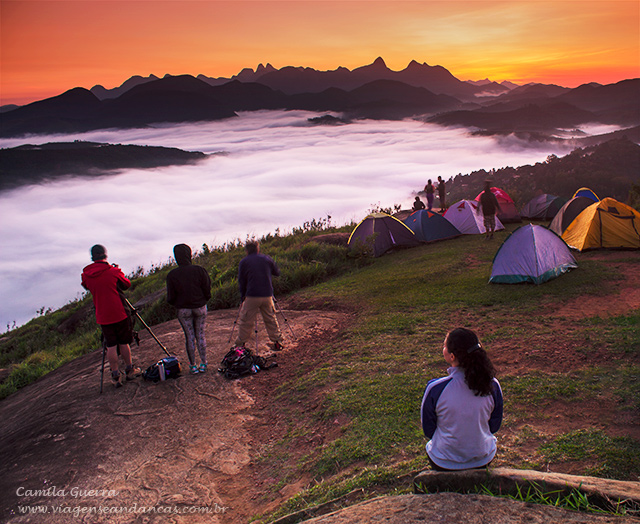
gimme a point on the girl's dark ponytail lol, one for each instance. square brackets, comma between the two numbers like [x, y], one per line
[478, 369]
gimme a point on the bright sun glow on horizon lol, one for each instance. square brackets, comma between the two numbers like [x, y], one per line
[50, 46]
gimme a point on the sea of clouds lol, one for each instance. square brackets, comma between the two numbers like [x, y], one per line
[277, 171]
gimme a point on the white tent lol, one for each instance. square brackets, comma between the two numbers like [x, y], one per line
[464, 215]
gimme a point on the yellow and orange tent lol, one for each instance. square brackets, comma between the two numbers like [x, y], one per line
[604, 224]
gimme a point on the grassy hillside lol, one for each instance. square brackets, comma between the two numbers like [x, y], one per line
[571, 384]
[55, 337]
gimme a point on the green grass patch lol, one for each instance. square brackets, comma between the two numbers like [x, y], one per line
[404, 301]
[382, 405]
[620, 381]
[621, 334]
[609, 457]
[574, 499]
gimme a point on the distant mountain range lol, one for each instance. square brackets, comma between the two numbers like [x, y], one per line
[420, 91]
[296, 80]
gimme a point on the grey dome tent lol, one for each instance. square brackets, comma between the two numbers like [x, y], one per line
[379, 232]
[531, 254]
[542, 207]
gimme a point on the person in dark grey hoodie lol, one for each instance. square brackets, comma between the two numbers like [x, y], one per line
[189, 290]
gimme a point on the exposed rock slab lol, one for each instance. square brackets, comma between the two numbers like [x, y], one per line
[455, 508]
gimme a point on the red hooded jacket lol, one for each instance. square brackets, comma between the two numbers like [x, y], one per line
[103, 281]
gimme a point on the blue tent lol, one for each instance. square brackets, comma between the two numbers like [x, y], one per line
[586, 192]
[429, 226]
[531, 254]
[379, 232]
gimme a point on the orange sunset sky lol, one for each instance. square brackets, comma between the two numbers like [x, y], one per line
[49, 46]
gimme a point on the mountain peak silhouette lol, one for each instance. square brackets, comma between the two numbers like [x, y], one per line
[370, 91]
[262, 69]
[377, 68]
[378, 65]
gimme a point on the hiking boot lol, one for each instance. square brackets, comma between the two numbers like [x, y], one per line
[277, 346]
[133, 372]
[116, 379]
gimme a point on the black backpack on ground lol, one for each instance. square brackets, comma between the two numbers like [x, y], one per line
[241, 361]
[165, 368]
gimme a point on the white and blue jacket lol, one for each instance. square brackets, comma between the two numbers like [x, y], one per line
[459, 423]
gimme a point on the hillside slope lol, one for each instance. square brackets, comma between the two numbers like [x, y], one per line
[190, 442]
[341, 409]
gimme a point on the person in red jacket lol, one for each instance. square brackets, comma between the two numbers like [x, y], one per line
[105, 282]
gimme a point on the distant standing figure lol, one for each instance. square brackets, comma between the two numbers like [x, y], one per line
[256, 291]
[105, 282]
[490, 207]
[461, 412]
[429, 190]
[441, 194]
[418, 204]
[189, 290]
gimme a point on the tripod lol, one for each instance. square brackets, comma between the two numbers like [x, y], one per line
[235, 322]
[135, 336]
[104, 354]
[278, 310]
[137, 315]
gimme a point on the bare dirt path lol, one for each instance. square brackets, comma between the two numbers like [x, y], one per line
[182, 447]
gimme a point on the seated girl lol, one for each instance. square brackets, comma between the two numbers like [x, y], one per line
[461, 412]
